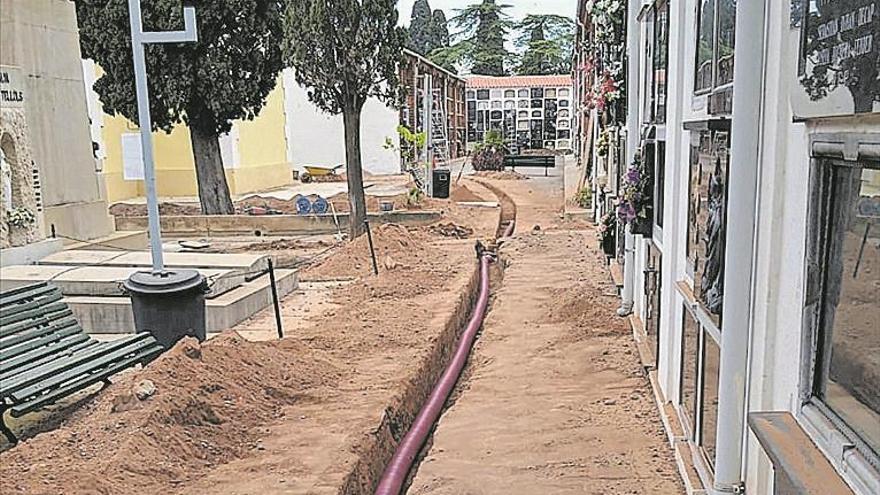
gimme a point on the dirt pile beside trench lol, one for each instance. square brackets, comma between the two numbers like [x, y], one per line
[207, 402]
[397, 248]
[501, 175]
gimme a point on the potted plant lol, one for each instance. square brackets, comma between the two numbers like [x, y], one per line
[20, 217]
[636, 205]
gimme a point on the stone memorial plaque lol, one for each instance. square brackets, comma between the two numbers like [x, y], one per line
[11, 87]
[839, 57]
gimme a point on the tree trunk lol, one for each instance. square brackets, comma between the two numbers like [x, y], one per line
[213, 189]
[351, 116]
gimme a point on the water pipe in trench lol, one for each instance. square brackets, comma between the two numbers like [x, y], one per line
[509, 230]
[398, 469]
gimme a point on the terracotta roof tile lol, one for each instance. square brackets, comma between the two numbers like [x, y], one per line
[481, 82]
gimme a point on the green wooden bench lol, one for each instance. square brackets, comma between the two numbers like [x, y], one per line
[45, 355]
[519, 161]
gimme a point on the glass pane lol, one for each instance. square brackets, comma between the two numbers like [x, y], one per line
[705, 35]
[850, 374]
[700, 157]
[648, 91]
[690, 340]
[726, 32]
[482, 94]
[707, 220]
[711, 367]
[660, 183]
[661, 59]
[653, 280]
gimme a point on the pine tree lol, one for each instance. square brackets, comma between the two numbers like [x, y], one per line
[440, 30]
[225, 76]
[421, 28]
[427, 31]
[344, 52]
[547, 41]
[482, 31]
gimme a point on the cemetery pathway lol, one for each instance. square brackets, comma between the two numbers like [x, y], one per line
[554, 399]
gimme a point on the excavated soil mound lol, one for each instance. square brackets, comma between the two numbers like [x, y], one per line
[461, 194]
[193, 408]
[397, 248]
[451, 229]
[501, 175]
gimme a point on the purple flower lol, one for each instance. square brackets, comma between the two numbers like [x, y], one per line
[633, 175]
[626, 212]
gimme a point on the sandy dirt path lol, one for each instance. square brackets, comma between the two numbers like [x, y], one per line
[555, 400]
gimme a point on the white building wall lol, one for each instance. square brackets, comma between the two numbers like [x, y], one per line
[776, 330]
[317, 138]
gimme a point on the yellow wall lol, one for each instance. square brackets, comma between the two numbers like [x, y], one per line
[262, 149]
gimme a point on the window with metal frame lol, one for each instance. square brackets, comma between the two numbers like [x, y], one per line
[716, 26]
[661, 60]
[844, 300]
[700, 372]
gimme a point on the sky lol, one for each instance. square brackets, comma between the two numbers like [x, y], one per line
[520, 8]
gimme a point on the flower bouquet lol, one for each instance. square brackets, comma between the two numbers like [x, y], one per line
[636, 206]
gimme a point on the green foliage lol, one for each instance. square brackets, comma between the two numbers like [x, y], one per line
[225, 76]
[492, 138]
[417, 139]
[413, 142]
[441, 30]
[482, 28]
[584, 198]
[428, 30]
[547, 42]
[414, 197]
[344, 51]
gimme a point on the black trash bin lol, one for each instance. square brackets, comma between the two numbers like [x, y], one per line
[442, 179]
[169, 304]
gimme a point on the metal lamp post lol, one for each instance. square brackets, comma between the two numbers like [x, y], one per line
[139, 38]
[167, 303]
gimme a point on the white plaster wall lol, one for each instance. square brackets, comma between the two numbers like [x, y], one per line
[317, 138]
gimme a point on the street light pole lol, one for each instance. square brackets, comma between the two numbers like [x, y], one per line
[139, 38]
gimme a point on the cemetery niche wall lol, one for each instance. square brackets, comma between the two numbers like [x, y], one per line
[838, 57]
[20, 215]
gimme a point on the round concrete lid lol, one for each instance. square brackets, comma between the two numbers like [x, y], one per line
[166, 282]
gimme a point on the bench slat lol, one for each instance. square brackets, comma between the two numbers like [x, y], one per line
[46, 317]
[34, 333]
[42, 341]
[32, 313]
[9, 314]
[63, 348]
[64, 370]
[32, 292]
[85, 381]
[22, 289]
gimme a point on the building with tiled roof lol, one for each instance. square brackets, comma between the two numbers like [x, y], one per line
[518, 81]
[531, 112]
